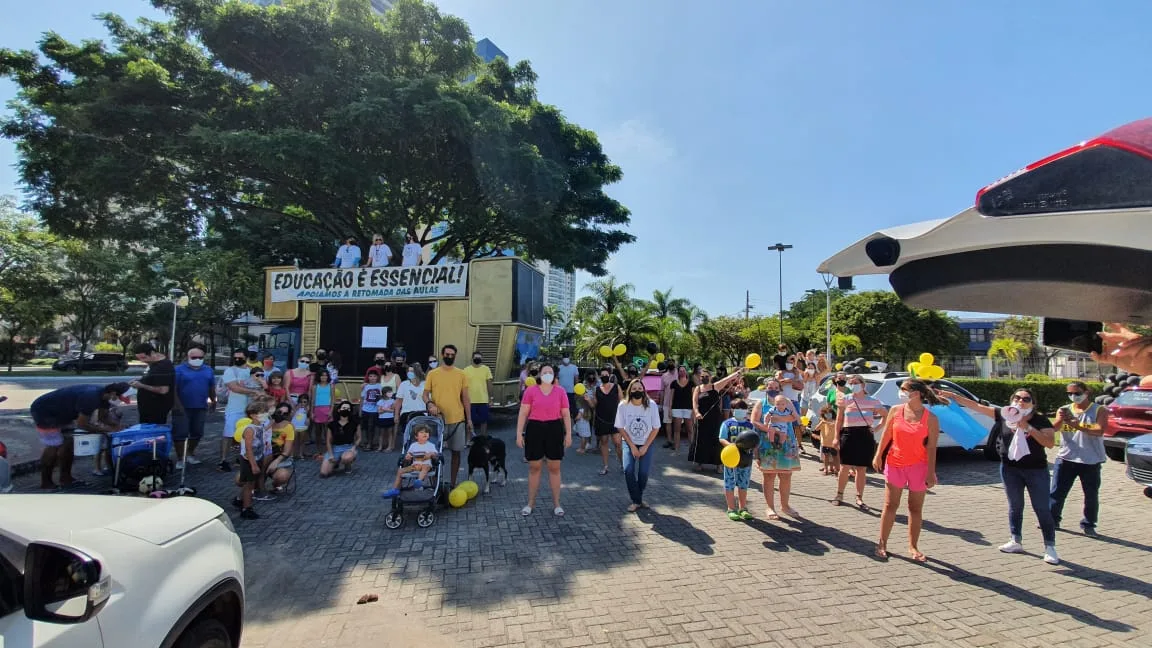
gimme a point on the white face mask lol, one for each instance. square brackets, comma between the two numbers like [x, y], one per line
[856, 388]
[565, 360]
[904, 396]
[547, 378]
[789, 366]
[739, 414]
[195, 362]
[411, 375]
[1025, 412]
[432, 364]
[260, 418]
[303, 364]
[1078, 398]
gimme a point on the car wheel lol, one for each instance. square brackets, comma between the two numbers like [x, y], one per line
[1114, 453]
[75, 369]
[205, 633]
[1148, 491]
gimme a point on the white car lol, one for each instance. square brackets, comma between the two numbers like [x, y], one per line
[885, 387]
[91, 571]
[1010, 252]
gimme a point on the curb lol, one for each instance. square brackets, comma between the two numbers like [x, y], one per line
[25, 467]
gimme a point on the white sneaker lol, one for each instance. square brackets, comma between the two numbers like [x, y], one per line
[1012, 547]
[179, 465]
[1050, 556]
[193, 461]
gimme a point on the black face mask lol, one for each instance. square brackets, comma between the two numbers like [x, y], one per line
[605, 377]
[477, 360]
[281, 416]
[238, 362]
[636, 395]
[379, 362]
[533, 372]
[320, 355]
[841, 383]
[449, 360]
[345, 413]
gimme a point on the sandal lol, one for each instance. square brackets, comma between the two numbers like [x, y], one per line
[839, 499]
[771, 515]
[632, 508]
[604, 471]
[860, 504]
[791, 512]
[880, 552]
[917, 555]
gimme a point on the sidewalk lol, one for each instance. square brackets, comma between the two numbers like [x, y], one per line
[19, 434]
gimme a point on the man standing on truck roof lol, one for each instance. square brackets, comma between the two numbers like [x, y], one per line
[446, 393]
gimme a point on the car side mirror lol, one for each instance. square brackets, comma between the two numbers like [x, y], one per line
[63, 585]
[985, 402]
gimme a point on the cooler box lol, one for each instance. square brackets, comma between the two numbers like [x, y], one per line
[140, 439]
[87, 445]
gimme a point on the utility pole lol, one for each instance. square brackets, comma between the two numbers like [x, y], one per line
[828, 316]
[747, 303]
[780, 247]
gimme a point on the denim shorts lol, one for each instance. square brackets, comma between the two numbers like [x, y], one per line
[337, 451]
[737, 477]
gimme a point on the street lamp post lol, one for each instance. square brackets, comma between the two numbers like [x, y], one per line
[827, 315]
[176, 295]
[780, 247]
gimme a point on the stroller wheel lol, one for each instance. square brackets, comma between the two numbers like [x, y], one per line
[394, 520]
[425, 519]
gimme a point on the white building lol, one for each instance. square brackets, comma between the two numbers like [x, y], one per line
[559, 288]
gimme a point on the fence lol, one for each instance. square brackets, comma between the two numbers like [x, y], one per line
[1058, 367]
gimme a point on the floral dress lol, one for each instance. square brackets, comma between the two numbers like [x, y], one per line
[783, 454]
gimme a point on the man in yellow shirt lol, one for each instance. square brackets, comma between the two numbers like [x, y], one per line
[446, 393]
[479, 382]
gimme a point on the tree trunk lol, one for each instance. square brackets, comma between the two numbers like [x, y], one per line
[11, 349]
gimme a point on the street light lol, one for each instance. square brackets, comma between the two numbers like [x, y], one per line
[176, 295]
[827, 315]
[780, 247]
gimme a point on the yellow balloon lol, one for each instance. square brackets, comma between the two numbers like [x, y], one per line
[935, 372]
[730, 456]
[804, 421]
[660, 357]
[752, 361]
[914, 369]
[457, 498]
[580, 389]
[620, 350]
[839, 366]
[653, 364]
[927, 359]
[606, 351]
[529, 381]
[470, 488]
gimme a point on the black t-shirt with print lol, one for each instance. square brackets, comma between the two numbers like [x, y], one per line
[1036, 458]
[152, 407]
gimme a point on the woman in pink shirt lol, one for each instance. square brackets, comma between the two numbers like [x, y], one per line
[856, 414]
[544, 430]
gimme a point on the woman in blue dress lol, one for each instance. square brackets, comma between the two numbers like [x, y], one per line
[779, 453]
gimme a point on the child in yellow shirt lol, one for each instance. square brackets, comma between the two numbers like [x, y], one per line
[827, 430]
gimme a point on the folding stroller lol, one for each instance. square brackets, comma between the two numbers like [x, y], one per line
[424, 498]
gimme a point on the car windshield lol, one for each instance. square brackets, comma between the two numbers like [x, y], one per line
[1134, 399]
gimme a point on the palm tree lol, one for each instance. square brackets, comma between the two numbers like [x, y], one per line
[845, 343]
[665, 306]
[1008, 348]
[627, 325]
[553, 320]
[607, 295]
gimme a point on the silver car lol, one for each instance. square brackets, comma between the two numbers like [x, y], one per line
[1138, 458]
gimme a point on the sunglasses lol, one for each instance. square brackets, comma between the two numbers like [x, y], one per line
[1022, 399]
[257, 375]
[1075, 393]
[192, 357]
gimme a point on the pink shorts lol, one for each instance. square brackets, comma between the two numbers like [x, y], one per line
[914, 477]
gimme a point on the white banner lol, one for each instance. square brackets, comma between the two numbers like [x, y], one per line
[370, 284]
[374, 337]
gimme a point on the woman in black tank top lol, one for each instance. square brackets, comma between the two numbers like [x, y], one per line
[604, 400]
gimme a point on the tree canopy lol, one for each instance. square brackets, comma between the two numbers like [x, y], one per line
[315, 118]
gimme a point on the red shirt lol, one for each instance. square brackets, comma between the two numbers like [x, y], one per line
[909, 441]
[545, 407]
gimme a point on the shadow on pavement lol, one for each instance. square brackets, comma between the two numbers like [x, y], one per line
[678, 530]
[1106, 579]
[967, 535]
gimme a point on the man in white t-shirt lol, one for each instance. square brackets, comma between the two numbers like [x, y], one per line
[236, 379]
[348, 256]
[379, 255]
[411, 253]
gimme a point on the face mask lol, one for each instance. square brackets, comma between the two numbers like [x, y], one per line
[345, 412]
[281, 416]
[195, 362]
[379, 362]
[839, 383]
[411, 375]
[238, 362]
[636, 395]
[904, 396]
[477, 360]
[772, 393]
[261, 417]
[1025, 412]
[707, 380]
[739, 414]
[303, 364]
[449, 360]
[320, 355]
[564, 360]
[857, 388]
[432, 364]
[605, 378]
[1077, 398]
[547, 378]
[789, 366]
[533, 372]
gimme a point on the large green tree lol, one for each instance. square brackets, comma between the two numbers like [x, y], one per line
[315, 117]
[892, 331]
[30, 257]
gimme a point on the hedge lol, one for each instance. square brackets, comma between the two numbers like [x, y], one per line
[1050, 393]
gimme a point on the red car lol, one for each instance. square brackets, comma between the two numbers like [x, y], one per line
[1130, 415]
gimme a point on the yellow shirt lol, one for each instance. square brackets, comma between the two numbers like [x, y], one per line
[445, 386]
[478, 377]
[283, 433]
[827, 433]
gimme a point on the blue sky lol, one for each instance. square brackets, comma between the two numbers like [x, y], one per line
[741, 123]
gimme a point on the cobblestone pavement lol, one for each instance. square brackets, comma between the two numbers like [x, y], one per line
[681, 574]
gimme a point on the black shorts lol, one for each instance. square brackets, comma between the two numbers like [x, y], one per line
[246, 474]
[828, 450]
[544, 440]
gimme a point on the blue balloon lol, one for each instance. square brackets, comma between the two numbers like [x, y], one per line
[959, 424]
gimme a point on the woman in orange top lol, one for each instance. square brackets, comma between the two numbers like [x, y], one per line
[910, 437]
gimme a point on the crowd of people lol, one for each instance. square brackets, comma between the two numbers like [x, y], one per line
[273, 418]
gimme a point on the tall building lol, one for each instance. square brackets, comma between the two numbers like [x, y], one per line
[559, 288]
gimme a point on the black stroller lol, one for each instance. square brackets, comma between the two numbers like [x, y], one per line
[424, 498]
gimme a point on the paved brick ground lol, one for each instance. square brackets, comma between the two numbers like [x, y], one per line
[682, 574]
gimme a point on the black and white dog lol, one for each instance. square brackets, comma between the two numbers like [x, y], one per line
[487, 452]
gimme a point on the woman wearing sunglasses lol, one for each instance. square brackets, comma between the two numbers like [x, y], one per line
[1021, 436]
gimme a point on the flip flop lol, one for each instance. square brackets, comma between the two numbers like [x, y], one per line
[918, 555]
[880, 552]
[772, 515]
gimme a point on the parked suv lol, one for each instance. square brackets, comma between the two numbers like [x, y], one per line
[91, 571]
[1129, 416]
[92, 362]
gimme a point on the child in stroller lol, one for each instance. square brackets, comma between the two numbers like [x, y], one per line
[418, 478]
